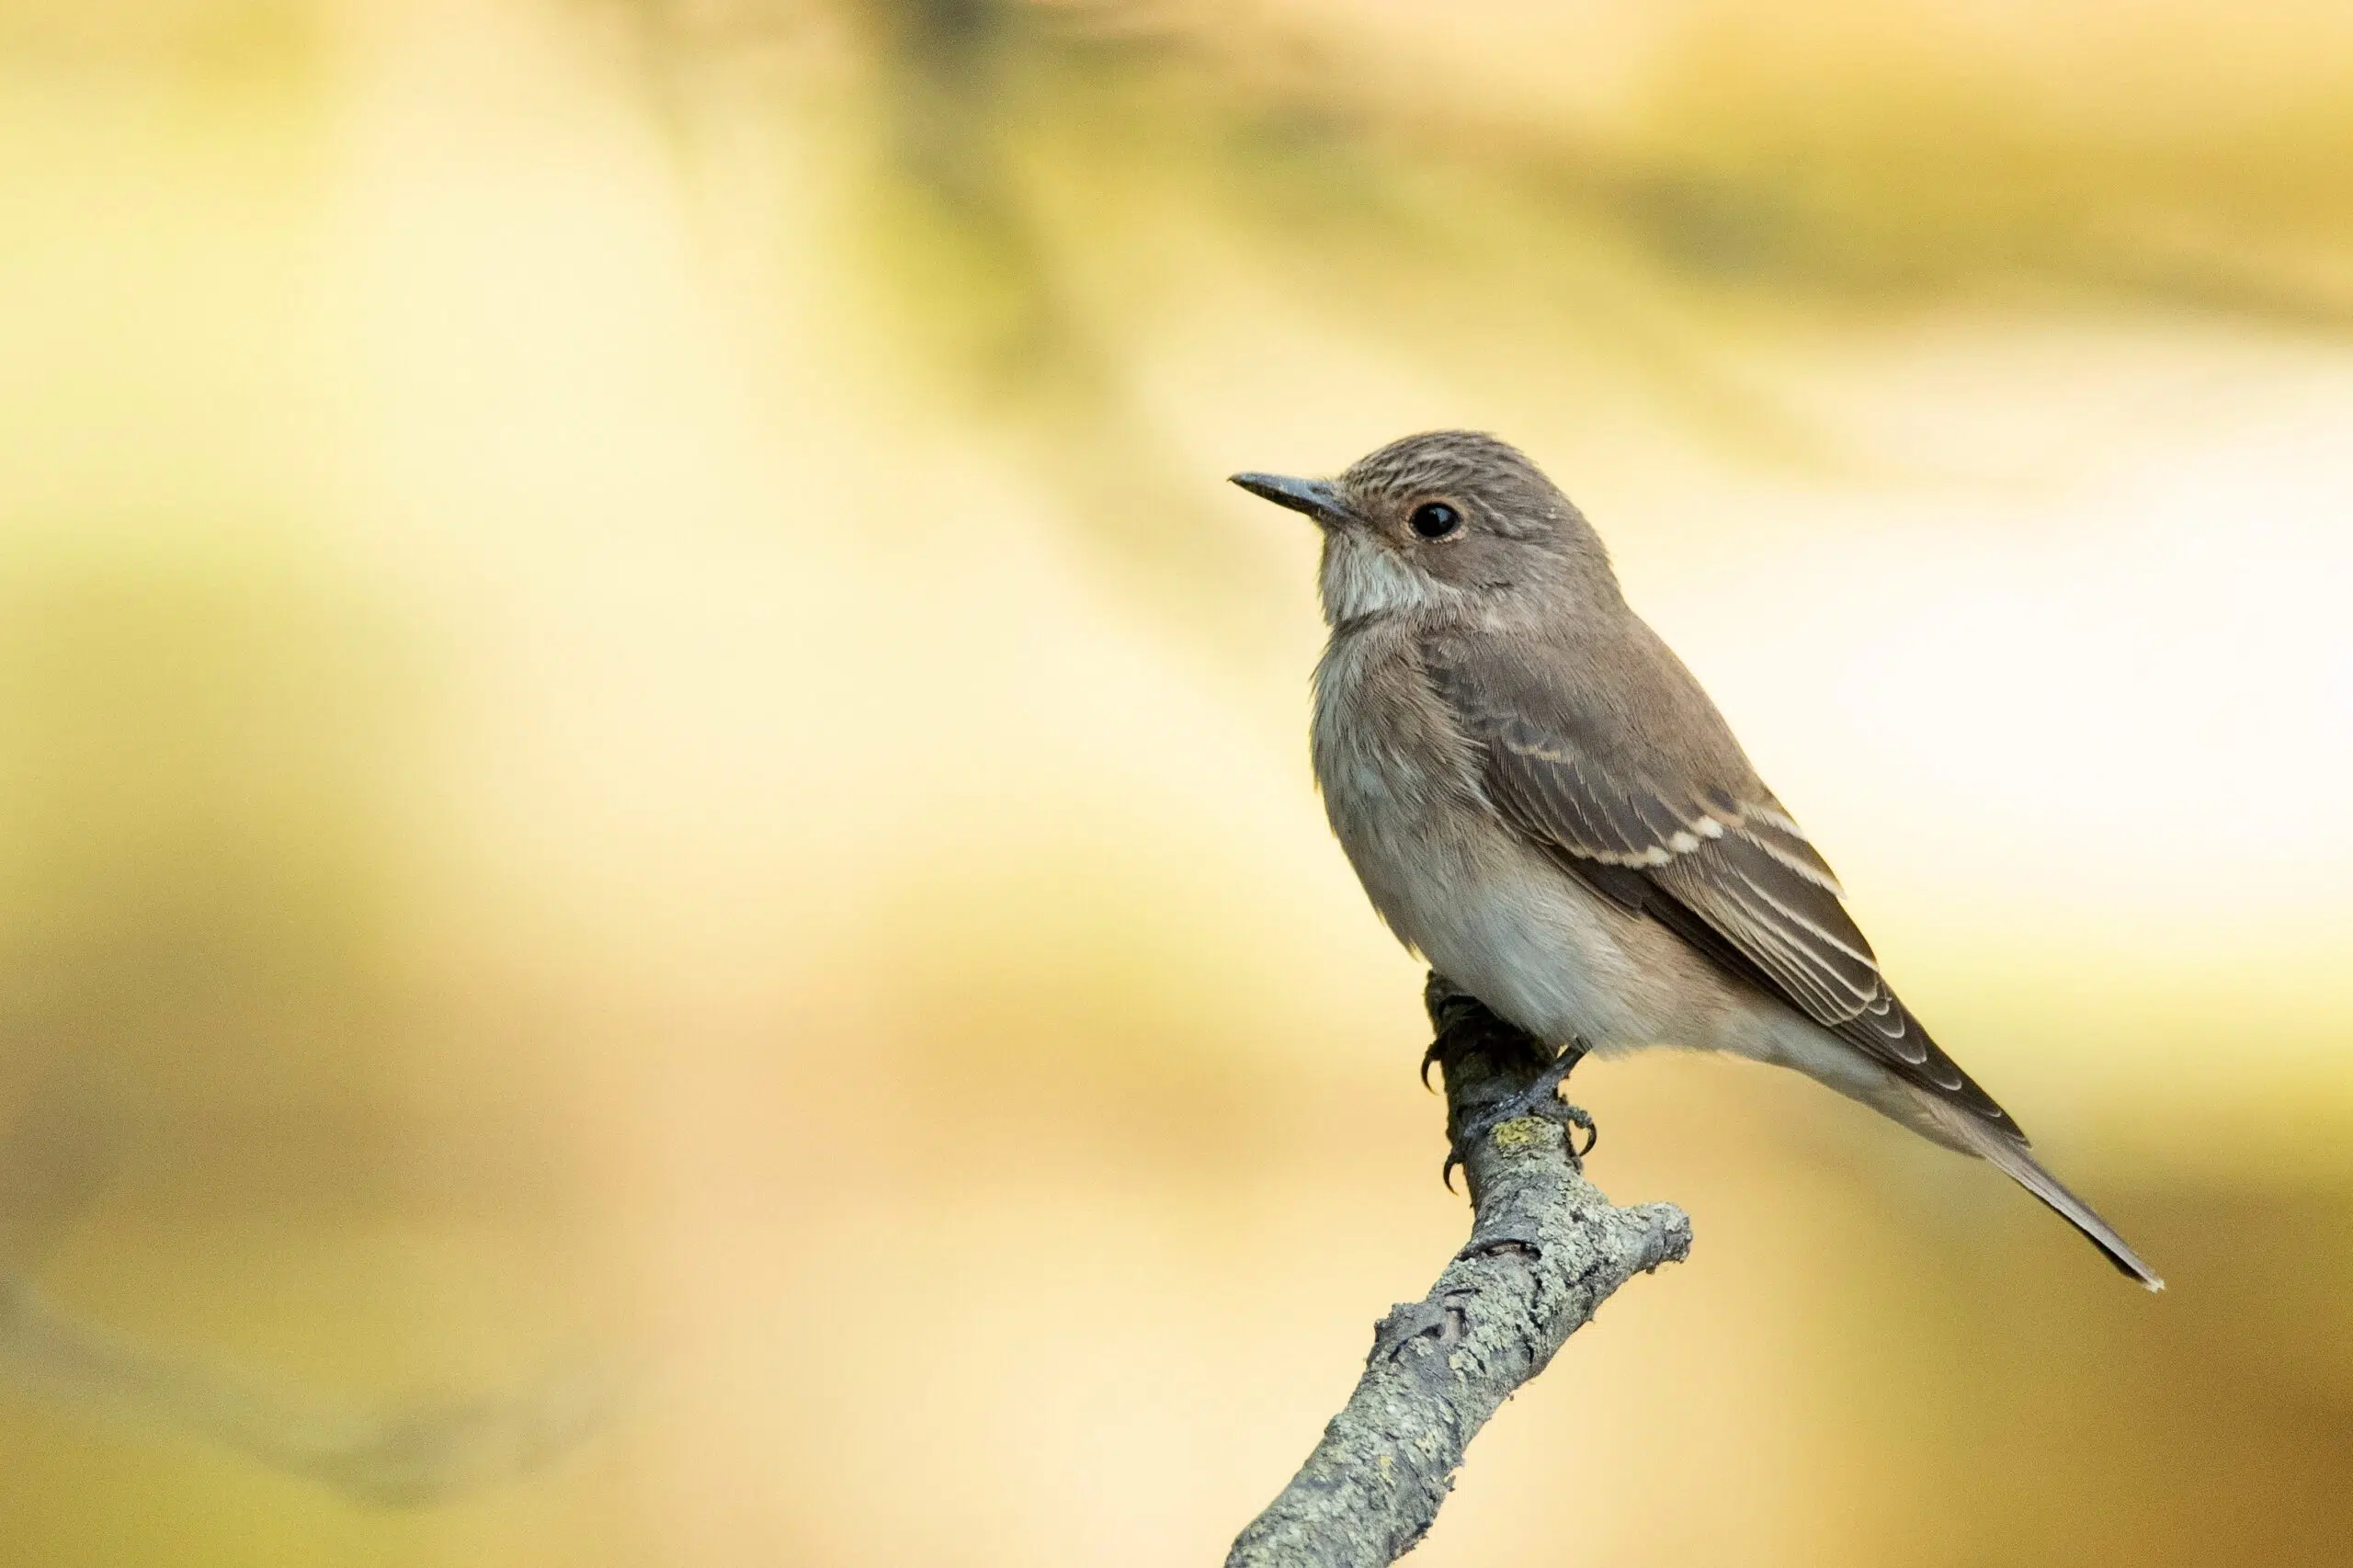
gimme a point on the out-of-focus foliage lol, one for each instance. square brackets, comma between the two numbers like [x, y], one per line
[635, 733]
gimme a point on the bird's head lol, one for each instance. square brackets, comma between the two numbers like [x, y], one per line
[1446, 521]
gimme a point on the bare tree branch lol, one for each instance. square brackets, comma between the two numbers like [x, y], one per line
[1546, 1250]
[410, 1457]
[55, 1162]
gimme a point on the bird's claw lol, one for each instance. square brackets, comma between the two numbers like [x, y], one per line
[1541, 1099]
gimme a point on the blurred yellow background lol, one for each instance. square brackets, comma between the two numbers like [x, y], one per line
[638, 744]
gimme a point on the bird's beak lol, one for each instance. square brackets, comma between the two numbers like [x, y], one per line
[1315, 497]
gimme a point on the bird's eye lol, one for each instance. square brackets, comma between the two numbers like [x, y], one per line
[1435, 519]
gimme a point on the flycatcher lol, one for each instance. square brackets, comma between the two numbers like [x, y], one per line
[1540, 800]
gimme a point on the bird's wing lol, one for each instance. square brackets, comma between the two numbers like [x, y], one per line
[1664, 813]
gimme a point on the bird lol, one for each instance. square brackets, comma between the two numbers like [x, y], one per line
[1542, 802]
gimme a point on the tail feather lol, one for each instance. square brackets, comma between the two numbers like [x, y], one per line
[2007, 1151]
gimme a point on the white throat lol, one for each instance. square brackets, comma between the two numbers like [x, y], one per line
[1362, 578]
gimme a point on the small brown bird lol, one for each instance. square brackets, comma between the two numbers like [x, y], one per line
[1540, 800]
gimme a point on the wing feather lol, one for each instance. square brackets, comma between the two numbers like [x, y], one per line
[1711, 855]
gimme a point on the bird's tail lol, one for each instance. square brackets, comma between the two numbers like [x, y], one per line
[2007, 1151]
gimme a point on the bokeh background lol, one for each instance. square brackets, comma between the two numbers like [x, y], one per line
[657, 867]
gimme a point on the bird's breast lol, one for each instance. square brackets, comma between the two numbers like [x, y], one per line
[1487, 907]
[1394, 769]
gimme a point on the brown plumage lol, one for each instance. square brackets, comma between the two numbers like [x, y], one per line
[1540, 799]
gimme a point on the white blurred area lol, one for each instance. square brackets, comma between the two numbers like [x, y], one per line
[852, 948]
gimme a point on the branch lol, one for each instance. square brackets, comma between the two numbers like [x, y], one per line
[1546, 1250]
[55, 1162]
[412, 1456]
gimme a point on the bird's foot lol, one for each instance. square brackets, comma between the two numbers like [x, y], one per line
[1541, 1099]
